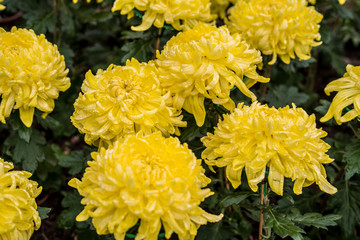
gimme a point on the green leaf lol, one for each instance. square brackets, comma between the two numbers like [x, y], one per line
[234, 198]
[43, 212]
[190, 132]
[68, 53]
[282, 95]
[213, 231]
[323, 107]
[283, 226]
[76, 161]
[346, 202]
[352, 158]
[142, 50]
[94, 17]
[73, 207]
[316, 220]
[52, 153]
[27, 153]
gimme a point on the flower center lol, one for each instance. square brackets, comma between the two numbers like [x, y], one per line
[151, 169]
[128, 90]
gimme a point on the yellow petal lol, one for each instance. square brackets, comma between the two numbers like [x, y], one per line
[276, 179]
[26, 115]
[234, 176]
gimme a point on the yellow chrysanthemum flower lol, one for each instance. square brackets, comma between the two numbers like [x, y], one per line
[348, 88]
[279, 27]
[2, 7]
[219, 7]
[285, 140]
[88, 1]
[181, 14]
[18, 210]
[32, 72]
[124, 100]
[149, 178]
[207, 62]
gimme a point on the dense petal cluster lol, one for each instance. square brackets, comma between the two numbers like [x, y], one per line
[124, 100]
[181, 14]
[219, 7]
[279, 27]
[32, 72]
[285, 140]
[18, 210]
[348, 88]
[155, 180]
[207, 62]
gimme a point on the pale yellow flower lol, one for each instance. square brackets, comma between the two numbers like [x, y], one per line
[207, 62]
[18, 210]
[277, 27]
[124, 100]
[285, 140]
[219, 7]
[348, 88]
[32, 72]
[149, 178]
[181, 14]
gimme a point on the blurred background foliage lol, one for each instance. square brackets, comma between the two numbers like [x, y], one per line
[91, 37]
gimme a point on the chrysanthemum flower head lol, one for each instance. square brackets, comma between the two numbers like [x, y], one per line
[124, 100]
[18, 210]
[155, 180]
[181, 14]
[285, 140]
[277, 27]
[207, 62]
[32, 72]
[348, 88]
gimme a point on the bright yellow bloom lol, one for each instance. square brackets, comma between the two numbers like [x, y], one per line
[207, 62]
[181, 14]
[348, 88]
[124, 100]
[285, 140]
[149, 178]
[18, 215]
[279, 27]
[32, 72]
[219, 7]
[88, 1]
[2, 7]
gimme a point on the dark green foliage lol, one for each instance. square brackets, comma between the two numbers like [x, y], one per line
[30, 153]
[43, 212]
[282, 226]
[352, 158]
[71, 203]
[281, 95]
[346, 203]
